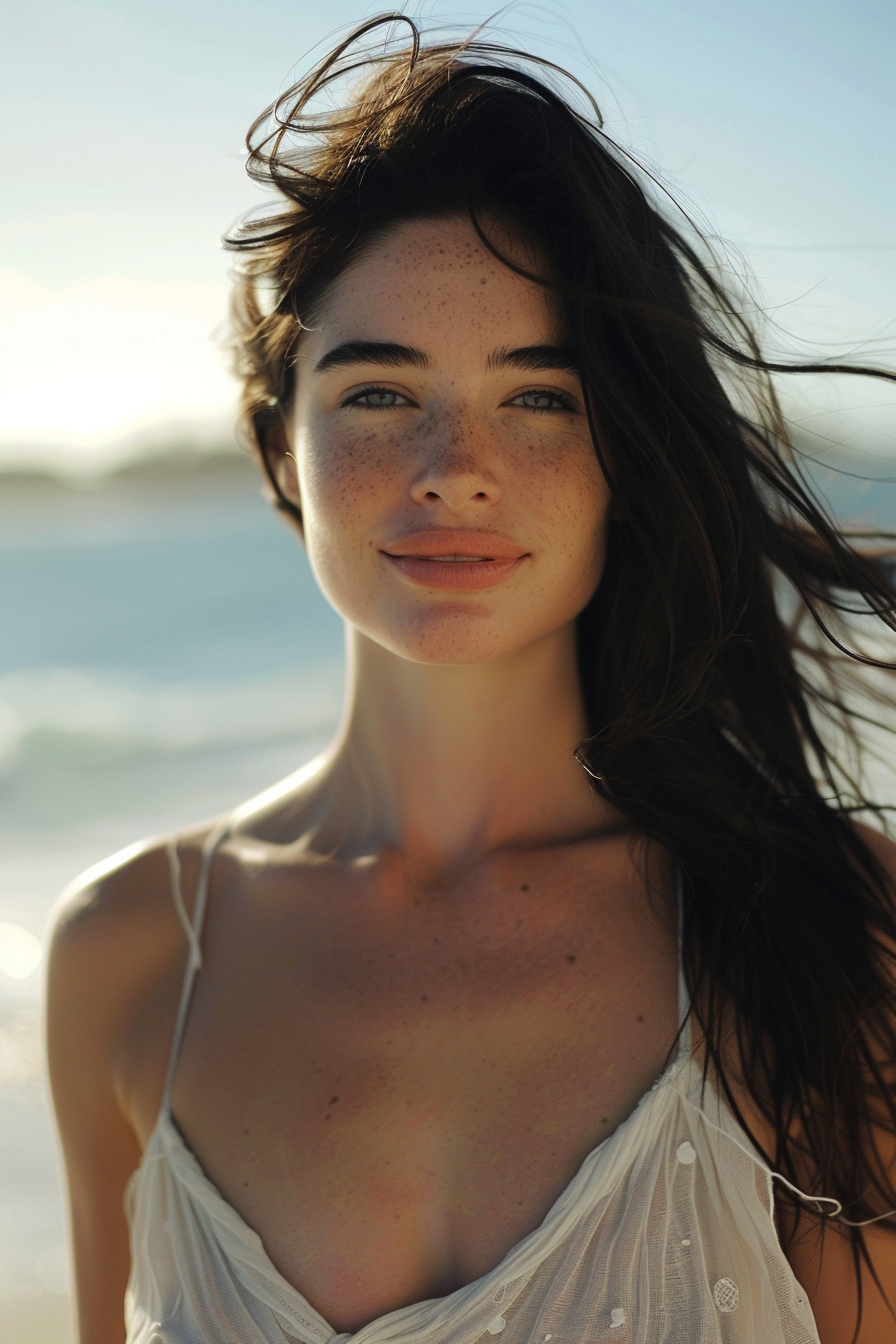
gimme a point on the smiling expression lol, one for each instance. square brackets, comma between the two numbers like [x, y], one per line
[454, 509]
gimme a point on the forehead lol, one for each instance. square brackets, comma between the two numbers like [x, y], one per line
[434, 280]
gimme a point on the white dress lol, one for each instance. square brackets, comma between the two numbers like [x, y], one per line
[665, 1235]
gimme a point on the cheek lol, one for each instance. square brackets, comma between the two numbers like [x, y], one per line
[348, 483]
[344, 477]
[565, 490]
[575, 508]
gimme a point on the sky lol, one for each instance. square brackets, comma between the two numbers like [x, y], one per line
[122, 163]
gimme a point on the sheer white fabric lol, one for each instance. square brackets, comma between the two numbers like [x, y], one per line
[664, 1236]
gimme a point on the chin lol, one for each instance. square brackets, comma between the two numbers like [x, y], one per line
[451, 655]
[456, 641]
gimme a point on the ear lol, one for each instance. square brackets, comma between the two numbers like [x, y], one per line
[279, 463]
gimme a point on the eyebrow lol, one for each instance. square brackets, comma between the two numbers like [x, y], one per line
[389, 354]
[534, 357]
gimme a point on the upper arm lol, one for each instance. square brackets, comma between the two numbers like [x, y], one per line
[99, 962]
[825, 1265]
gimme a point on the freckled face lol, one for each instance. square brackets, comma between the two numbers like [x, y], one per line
[454, 510]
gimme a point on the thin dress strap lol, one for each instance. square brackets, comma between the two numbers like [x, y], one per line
[684, 994]
[193, 930]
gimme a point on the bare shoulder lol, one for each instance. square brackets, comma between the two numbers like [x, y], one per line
[882, 848]
[116, 943]
[117, 915]
[116, 955]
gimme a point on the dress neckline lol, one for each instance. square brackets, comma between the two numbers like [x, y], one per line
[167, 1143]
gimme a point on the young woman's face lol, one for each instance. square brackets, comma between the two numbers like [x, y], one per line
[454, 510]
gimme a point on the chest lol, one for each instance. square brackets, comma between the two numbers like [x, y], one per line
[392, 1085]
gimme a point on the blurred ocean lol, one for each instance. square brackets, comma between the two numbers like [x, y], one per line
[164, 653]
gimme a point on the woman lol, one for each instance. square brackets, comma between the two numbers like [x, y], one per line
[555, 999]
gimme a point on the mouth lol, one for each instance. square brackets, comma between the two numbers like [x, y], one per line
[451, 558]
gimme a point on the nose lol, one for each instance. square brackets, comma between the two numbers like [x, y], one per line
[456, 468]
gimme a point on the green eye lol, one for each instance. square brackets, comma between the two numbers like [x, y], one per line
[376, 399]
[541, 401]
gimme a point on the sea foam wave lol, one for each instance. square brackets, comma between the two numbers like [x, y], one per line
[73, 708]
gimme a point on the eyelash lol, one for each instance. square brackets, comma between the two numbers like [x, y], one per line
[356, 398]
[565, 403]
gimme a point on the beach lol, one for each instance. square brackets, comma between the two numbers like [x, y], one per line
[43, 1319]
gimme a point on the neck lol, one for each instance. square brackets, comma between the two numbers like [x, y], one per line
[446, 763]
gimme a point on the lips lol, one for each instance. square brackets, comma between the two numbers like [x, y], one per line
[454, 558]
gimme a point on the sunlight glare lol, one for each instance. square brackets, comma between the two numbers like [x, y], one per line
[88, 364]
[20, 951]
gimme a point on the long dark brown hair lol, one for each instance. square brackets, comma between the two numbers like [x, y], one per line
[711, 653]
